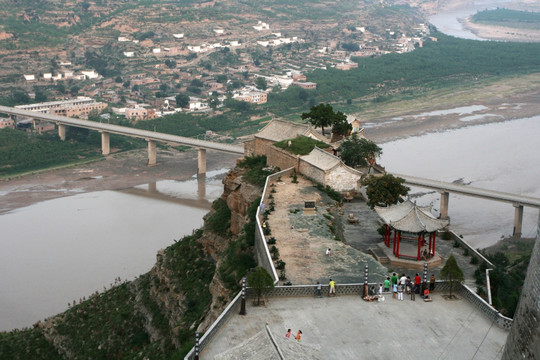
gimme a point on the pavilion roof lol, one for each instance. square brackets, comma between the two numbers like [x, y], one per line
[409, 217]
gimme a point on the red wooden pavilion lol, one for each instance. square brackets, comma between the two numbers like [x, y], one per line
[408, 221]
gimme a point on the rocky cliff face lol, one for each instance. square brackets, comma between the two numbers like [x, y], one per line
[155, 315]
[238, 195]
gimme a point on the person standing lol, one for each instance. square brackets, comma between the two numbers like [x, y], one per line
[288, 334]
[328, 252]
[400, 292]
[417, 281]
[432, 283]
[298, 335]
[332, 291]
[318, 291]
[387, 284]
[394, 279]
[394, 291]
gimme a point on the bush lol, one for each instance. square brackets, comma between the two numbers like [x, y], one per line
[474, 260]
[466, 252]
[280, 265]
[271, 241]
[456, 244]
[220, 221]
[275, 252]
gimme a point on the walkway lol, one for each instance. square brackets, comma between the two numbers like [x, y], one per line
[347, 327]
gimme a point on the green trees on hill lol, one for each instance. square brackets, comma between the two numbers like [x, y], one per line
[447, 61]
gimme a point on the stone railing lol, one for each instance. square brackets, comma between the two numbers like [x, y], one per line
[231, 309]
[264, 258]
[466, 245]
[346, 289]
[480, 304]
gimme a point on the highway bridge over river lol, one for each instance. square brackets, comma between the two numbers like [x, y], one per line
[518, 201]
[106, 129]
[445, 188]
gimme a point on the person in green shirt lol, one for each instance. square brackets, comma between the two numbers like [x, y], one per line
[387, 284]
[394, 279]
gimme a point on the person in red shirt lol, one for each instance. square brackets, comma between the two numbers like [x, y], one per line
[417, 281]
[299, 335]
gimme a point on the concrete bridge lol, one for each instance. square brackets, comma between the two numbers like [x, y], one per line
[107, 129]
[444, 188]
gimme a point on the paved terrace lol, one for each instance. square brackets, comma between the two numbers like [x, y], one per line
[346, 327]
[116, 129]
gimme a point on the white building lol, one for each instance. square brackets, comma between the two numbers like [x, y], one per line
[196, 104]
[30, 77]
[90, 74]
[129, 54]
[178, 36]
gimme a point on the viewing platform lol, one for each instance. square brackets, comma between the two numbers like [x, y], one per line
[347, 327]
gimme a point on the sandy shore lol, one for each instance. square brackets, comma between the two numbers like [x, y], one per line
[501, 33]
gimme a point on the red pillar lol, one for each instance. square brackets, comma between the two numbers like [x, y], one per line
[419, 246]
[433, 247]
[395, 238]
[398, 241]
[430, 237]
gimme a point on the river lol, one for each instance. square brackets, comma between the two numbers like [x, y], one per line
[57, 251]
[447, 21]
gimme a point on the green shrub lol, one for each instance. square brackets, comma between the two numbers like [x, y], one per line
[220, 221]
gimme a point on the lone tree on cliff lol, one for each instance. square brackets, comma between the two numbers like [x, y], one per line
[385, 190]
[452, 273]
[320, 116]
[260, 281]
[359, 152]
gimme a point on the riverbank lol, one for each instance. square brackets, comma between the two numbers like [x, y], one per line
[117, 172]
[500, 33]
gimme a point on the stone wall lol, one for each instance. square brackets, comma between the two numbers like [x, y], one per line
[281, 158]
[261, 146]
[341, 179]
[524, 339]
[311, 172]
[249, 147]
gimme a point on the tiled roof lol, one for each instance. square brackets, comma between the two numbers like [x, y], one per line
[408, 217]
[321, 159]
[277, 130]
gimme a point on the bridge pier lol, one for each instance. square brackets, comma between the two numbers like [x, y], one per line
[201, 163]
[445, 197]
[61, 131]
[152, 157]
[36, 126]
[518, 220]
[105, 143]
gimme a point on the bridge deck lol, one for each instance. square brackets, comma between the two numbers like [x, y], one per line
[471, 191]
[117, 129]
